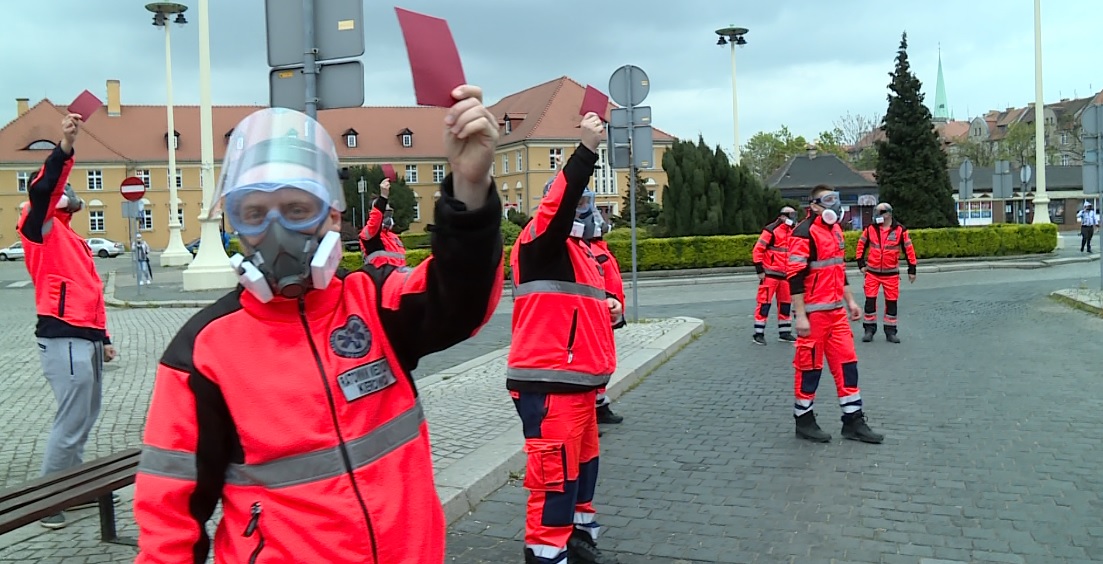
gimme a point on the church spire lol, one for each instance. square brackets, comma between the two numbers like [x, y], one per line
[941, 108]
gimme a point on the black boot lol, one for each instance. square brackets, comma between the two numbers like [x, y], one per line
[530, 557]
[855, 429]
[871, 329]
[787, 337]
[582, 549]
[759, 339]
[606, 415]
[890, 334]
[807, 428]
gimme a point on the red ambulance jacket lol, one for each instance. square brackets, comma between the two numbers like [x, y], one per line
[610, 270]
[771, 253]
[381, 246]
[68, 292]
[879, 249]
[302, 417]
[816, 267]
[562, 338]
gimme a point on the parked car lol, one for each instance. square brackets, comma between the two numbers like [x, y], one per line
[14, 252]
[104, 248]
[193, 246]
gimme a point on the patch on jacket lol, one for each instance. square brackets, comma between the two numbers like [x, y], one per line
[366, 379]
[353, 340]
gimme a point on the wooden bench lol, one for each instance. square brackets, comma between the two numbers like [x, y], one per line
[92, 481]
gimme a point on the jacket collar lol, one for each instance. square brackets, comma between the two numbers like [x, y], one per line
[318, 304]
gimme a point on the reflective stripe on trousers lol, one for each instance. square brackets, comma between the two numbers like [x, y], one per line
[297, 469]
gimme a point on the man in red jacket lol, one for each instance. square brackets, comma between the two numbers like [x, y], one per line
[291, 399]
[879, 259]
[562, 352]
[614, 284]
[771, 255]
[72, 334]
[821, 300]
[378, 241]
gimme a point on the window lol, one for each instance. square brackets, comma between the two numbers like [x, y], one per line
[179, 178]
[509, 126]
[23, 180]
[411, 174]
[438, 173]
[417, 210]
[554, 154]
[493, 167]
[95, 221]
[407, 140]
[605, 180]
[1064, 138]
[180, 217]
[650, 195]
[350, 140]
[41, 145]
[95, 180]
[1057, 211]
[505, 164]
[1065, 160]
[145, 222]
[144, 175]
[520, 161]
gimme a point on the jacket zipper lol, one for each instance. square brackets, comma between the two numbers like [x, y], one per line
[251, 528]
[571, 337]
[345, 458]
[61, 301]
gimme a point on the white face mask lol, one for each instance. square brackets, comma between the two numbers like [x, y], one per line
[829, 216]
[879, 219]
[788, 222]
[578, 229]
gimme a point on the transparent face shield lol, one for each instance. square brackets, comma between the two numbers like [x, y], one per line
[281, 166]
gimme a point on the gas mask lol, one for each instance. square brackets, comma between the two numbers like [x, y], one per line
[789, 216]
[288, 263]
[69, 202]
[832, 207]
[388, 220]
[882, 214]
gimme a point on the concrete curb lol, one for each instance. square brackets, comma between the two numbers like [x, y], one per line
[660, 279]
[1084, 300]
[471, 479]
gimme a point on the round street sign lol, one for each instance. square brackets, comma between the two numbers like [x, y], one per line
[1024, 174]
[629, 85]
[966, 170]
[133, 188]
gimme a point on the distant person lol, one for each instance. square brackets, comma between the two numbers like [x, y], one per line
[72, 334]
[141, 252]
[1089, 223]
[378, 241]
[879, 250]
[771, 258]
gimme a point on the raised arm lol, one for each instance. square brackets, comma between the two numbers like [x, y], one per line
[48, 184]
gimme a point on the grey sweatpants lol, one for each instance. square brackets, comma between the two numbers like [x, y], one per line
[74, 369]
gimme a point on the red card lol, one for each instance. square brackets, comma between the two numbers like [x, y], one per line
[594, 101]
[388, 171]
[434, 61]
[86, 104]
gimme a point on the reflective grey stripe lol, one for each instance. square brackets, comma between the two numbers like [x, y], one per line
[532, 230]
[769, 272]
[327, 463]
[778, 249]
[883, 271]
[559, 287]
[798, 259]
[892, 247]
[908, 243]
[763, 241]
[557, 376]
[825, 263]
[824, 307]
[386, 254]
[167, 463]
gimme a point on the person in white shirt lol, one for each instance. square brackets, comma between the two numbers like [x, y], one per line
[1089, 222]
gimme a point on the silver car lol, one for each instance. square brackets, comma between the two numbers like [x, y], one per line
[14, 252]
[105, 248]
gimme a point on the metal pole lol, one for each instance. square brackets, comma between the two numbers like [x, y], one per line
[175, 253]
[735, 110]
[632, 205]
[1041, 200]
[310, 68]
[363, 188]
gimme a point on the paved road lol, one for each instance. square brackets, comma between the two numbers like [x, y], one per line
[990, 456]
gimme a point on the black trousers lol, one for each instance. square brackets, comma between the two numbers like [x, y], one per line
[1086, 233]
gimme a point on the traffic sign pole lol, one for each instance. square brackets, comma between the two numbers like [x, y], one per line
[310, 68]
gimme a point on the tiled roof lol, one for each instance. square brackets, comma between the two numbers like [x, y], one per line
[801, 171]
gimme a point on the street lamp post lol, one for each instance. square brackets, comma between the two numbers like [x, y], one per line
[733, 36]
[210, 270]
[176, 254]
[1041, 200]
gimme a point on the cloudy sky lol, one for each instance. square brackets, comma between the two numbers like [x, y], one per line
[807, 62]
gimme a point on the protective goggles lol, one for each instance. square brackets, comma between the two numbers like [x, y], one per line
[294, 204]
[885, 211]
[827, 200]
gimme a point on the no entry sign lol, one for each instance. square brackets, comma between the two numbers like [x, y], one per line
[133, 188]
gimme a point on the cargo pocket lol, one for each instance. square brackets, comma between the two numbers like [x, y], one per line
[805, 358]
[545, 467]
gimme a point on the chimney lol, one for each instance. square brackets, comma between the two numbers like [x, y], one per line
[811, 151]
[21, 106]
[114, 105]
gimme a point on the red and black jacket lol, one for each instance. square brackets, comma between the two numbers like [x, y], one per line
[562, 337]
[301, 415]
[610, 269]
[381, 246]
[879, 249]
[68, 292]
[816, 266]
[771, 252]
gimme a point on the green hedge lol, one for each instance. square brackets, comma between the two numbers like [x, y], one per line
[735, 250]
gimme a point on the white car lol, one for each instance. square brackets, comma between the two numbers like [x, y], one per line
[14, 252]
[104, 248]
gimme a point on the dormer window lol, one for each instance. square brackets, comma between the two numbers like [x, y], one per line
[350, 138]
[406, 137]
[41, 145]
[509, 126]
[175, 140]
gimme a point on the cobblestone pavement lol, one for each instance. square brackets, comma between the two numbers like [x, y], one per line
[989, 410]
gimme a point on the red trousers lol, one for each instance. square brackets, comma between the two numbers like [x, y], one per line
[768, 289]
[562, 448]
[873, 284]
[831, 337]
